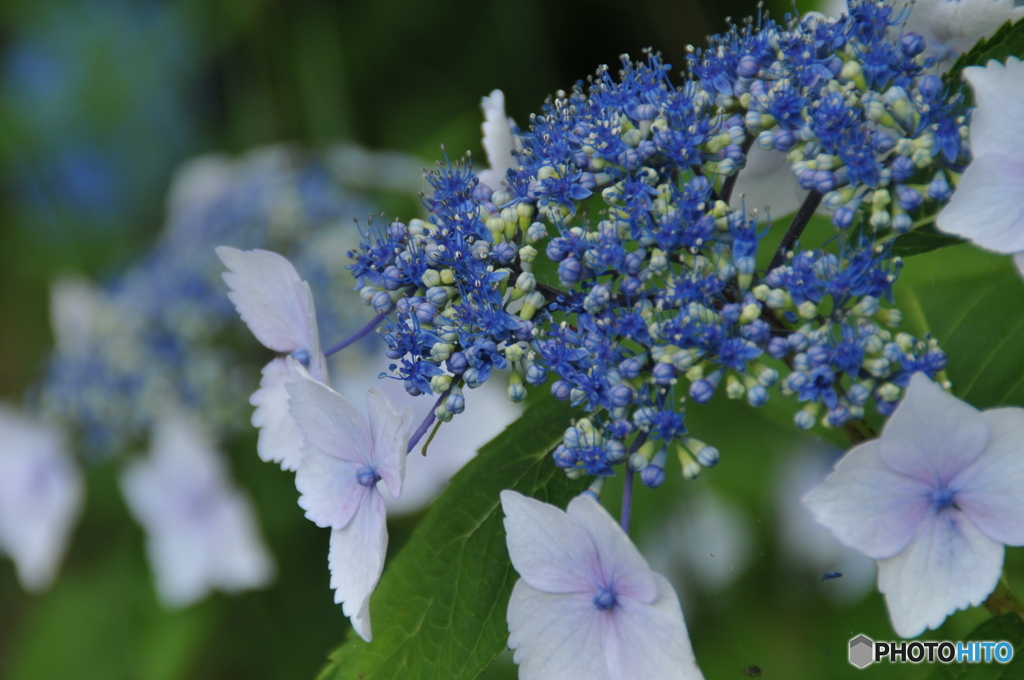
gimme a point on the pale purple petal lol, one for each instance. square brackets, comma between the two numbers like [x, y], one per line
[949, 565]
[329, 488]
[991, 490]
[273, 301]
[649, 640]
[41, 497]
[996, 126]
[550, 550]
[621, 564]
[280, 440]
[868, 506]
[329, 421]
[356, 560]
[556, 636]
[988, 206]
[932, 435]
[390, 430]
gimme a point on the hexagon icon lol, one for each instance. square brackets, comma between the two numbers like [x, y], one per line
[862, 651]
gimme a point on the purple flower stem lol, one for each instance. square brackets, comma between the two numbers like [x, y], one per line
[358, 334]
[427, 422]
[627, 489]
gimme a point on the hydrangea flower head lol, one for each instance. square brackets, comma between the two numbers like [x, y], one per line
[201, 533]
[41, 495]
[587, 606]
[277, 306]
[933, 500]
[988, 204]
[343, 459]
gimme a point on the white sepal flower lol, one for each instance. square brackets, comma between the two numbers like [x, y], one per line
[988, 204]
[277, 306]
[343, 459]
[201, 532]
[41, 494]
[498, 140]
[933, 500]
[587, 606]
[952, 27]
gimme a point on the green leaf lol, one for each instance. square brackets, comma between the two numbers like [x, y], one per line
[1008, 627]
[922, 240]
[1008, 41]
[977, 315]
[439, 610]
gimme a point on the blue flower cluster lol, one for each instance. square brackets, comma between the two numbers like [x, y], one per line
[665, 293]
[159, 336]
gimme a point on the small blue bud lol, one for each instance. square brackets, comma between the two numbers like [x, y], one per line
[903, 169]
[708, 456]
[910, 199]
[536, 232]
[557, 250]
[615, 452]
[748, 67]
[621, 395]
[701, 391]
[630, 286]
[664, 374]
[382, 302]
[437, 296]
[843, 217]
[825, 181]
[804, 420]
[630, 368]
[930, 86]
[778, 347]
[858, 394]
[902, 223]
[535, 375]
[570, 271]
[818, 355]
[604, 600]
[939, 189]
[653, 476]
[561, 389]
[456, 403]
[784, 140]
[565, 457]
[302, 356]
[838, 416]
[798, 342]
[504, 252]
[457, 363]
[516, 392]
[632, 263]
[472, 376]
[757, 396]
[425, 312]
[912, 44]
[392, 278]
[366, 476]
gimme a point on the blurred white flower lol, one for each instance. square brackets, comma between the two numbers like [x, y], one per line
[41, 494]
[201, 531]
[952, 27]
[705, 543]
[807, 547]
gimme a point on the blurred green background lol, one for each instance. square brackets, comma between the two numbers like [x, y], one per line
[101, 99]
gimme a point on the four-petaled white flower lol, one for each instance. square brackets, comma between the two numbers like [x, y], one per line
[201, 533]
[41, 494]
[587, 606]
[498, 140]
[343, 459]
[933, 500]
[277, 305]
[988, 204]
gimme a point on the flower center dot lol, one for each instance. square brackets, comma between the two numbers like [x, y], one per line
[367, 476]
[605, 599]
